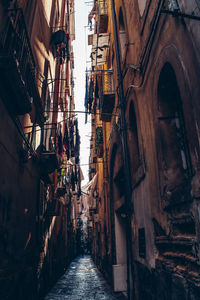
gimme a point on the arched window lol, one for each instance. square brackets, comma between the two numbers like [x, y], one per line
[174, 152]
[122, 34]
[133, 138]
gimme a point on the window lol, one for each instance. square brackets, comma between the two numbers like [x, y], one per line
[122, 34]
[174, 152]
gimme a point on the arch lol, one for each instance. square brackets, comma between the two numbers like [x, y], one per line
[134, 137]
[174, 157]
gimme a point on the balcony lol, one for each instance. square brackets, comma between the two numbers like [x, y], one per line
[107, 95]
[102, 16]
[17, 66]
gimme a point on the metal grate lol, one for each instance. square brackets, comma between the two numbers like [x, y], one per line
[15, 41]
[107, 82]
[15, 50]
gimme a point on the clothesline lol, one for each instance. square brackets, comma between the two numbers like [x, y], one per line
[82, 112]
[81, 165]
[47, 124]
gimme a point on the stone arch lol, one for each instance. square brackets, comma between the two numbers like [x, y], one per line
[134, 137]
[172, 147]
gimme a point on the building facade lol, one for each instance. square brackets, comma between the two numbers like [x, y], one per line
[145, 146]
[39, 145]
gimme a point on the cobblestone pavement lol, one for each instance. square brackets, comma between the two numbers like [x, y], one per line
[81, 281]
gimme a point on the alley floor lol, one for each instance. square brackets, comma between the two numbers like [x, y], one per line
[82, 281]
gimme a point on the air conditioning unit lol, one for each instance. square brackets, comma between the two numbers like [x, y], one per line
[120, 277]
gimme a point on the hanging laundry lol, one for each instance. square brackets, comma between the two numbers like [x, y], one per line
[71, 138]
[77, 143]
[92, 13]
[96, 95]
[60, 144]
[62, 50]
[72, 180]
[66, 141]
[67, 46]
[79, 182]
[75, 175]
[59, 175]
[58, 37]
[91, 90]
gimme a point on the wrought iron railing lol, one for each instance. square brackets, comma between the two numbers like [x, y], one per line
[107, 83]
[15, 49]
[15, 41]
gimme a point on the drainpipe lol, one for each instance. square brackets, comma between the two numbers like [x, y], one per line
[126, 159]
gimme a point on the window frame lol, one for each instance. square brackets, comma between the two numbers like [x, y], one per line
[168, 197]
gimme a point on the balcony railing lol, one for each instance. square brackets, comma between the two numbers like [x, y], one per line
[102, 16]
[107, 95]
[17, 66]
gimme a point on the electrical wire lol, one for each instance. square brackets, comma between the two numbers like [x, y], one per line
[81, 112]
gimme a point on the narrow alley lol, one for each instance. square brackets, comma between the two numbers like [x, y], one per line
[82, 281]
[99, 149]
